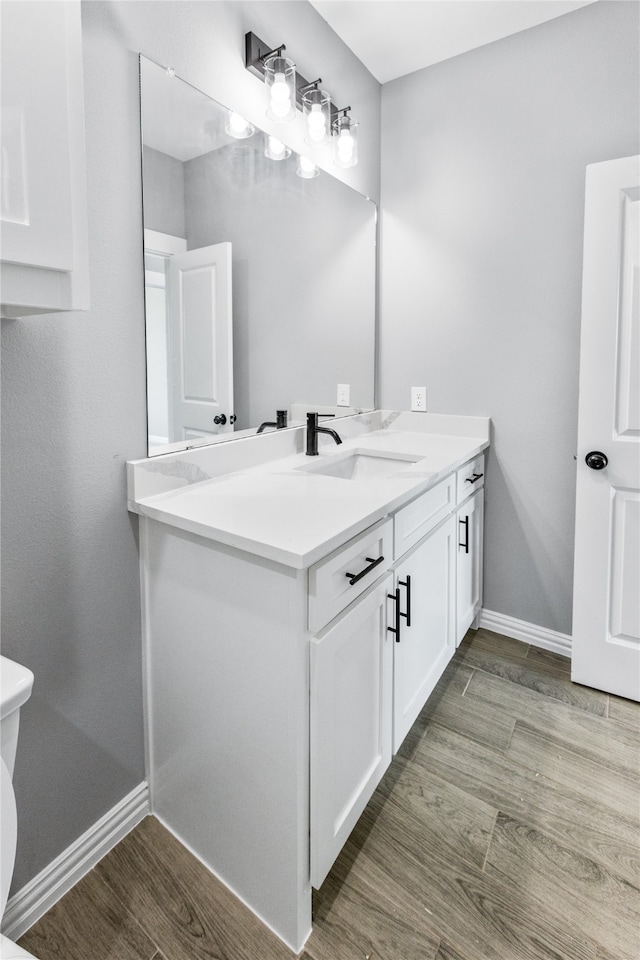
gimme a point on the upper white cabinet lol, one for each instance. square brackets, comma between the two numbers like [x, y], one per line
[43, 216]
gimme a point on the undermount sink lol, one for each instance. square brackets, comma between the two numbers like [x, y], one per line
[361, 465]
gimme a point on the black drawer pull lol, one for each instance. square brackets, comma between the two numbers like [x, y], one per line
[407, 583]
[465, 524]
[354, 577]
[396, 630]
[472, 479]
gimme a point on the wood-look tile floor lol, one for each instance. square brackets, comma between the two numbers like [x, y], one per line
[507, 828]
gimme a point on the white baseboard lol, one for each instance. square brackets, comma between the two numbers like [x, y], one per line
[527, 632]
[40, 894]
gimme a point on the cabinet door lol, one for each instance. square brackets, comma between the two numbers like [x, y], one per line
[351, 678]
[43, 222]
[425, 642]
[469, 562]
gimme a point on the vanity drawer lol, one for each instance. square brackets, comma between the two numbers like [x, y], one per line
[470, 478]
[415, 520]
[347, 572]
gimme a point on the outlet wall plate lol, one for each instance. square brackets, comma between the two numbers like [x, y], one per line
[419, 399]
[344, 390]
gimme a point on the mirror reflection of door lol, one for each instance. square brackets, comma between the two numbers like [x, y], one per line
[188, 297]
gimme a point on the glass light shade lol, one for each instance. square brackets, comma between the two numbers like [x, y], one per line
[306, 169]
[275, 149]
[345, 142]
[236, 126]
[316, 107]
[280, 78]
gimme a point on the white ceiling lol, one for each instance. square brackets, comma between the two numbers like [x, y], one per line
[395, 37]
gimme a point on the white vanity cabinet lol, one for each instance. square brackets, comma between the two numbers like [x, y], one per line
[43, 216]
[277, 690]
[470, 531]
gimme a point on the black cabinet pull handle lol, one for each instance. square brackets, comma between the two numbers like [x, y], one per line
[354, 577]
[221, 419]
[465, 524]
[473, 478]
[407, 583]
[396, 629]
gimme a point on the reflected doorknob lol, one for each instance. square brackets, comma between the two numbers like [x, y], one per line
[596, 460]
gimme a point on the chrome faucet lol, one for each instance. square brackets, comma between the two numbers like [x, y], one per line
[313, 430]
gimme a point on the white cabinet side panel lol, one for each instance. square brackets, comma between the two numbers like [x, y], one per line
[228, 718]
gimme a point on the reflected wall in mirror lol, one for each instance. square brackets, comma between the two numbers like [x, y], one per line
[259, 282]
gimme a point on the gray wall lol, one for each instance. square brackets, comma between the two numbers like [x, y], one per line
[74, 412]
[163, 198]
[483, 166]
[304, 260]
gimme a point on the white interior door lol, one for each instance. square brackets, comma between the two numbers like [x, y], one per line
[201, 343]
[606, 605]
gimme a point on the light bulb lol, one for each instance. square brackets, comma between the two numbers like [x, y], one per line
[236, 126]
[276, 146]
[345, 146]
[280, 98]
[316, 123]
[280, 109]
[280, 90]
[306, 168]
[276, 149]
[280, 76]
[237, 123]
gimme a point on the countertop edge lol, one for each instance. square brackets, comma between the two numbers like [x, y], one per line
[152, 509]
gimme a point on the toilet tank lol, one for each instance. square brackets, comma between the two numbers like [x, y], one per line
[16, 682]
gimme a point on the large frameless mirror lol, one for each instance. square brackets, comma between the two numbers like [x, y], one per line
[260, 275]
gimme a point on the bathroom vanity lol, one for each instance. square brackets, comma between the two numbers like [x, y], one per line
[297, 613]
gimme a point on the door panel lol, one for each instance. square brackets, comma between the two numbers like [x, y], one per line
[351, 672]
[606, 608]
[427, 644]
[627, 381]
[469, 563]
[200, 334]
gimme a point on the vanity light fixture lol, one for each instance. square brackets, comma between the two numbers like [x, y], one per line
[306, 168]
[288, 90]
[345, 140]
[236, 126]
[275, 149]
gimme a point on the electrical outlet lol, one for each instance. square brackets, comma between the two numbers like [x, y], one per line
[343, 394]
[419, 399]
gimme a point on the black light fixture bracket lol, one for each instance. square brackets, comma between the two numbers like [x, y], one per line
[256, 51]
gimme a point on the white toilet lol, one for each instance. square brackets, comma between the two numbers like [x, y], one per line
[15, 688]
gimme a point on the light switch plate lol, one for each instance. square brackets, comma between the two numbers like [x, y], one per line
[344, 390]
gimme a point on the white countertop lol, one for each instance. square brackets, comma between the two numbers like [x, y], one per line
[277, 511]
